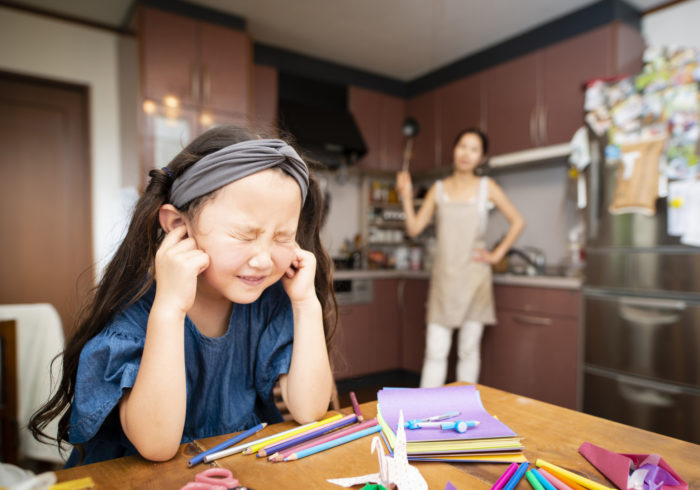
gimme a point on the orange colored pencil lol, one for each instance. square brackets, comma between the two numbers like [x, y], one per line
[563, 479]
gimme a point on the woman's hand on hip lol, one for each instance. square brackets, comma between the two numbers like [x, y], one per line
[299, 278]
[485, 256]
[178, 263]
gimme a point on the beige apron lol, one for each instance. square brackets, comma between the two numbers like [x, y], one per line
[460, 288]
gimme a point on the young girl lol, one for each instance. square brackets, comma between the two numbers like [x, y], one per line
[461, 293]
[220, 288]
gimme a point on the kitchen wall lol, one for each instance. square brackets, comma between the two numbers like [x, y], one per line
[344, 219]
[677, 25]
[545, 197]
[51, 49]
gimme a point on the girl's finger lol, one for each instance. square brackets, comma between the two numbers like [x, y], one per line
[174, 235]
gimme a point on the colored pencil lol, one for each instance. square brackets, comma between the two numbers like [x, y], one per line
[305, 436]
[556, 483]
[233, 450]
[254, 448]
[585, 482]
[230, 442]
[325, 438]
[517, 476]
[356, 406]
[534, 482]
[564, 480]
[334, 443]
[504, 477]
[543, 481]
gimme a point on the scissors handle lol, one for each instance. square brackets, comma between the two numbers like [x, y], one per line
[217, 476]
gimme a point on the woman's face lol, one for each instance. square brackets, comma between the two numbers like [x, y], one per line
[248, 230]
[468, 152]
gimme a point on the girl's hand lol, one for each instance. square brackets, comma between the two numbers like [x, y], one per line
[178, 263]
[404, 186]
[483, 255]
[299, 279]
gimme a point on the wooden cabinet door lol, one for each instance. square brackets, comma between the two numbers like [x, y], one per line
[511, 103]
[365, 106]
[412, 326]
[391, 136]
[567, 66]
[169, 64]
[459, 108]
[225, 63]
[424, 109]
[265, 98]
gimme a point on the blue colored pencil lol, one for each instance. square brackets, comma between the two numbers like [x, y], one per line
[200, 457]
[517, 476]
[330, 444]
[306, 436]
[543, 481]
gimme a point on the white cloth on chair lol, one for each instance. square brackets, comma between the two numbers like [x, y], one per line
[39, 337]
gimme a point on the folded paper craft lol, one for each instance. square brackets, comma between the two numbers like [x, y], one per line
[633, 471]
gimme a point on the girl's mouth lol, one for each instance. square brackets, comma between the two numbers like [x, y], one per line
[252, 280]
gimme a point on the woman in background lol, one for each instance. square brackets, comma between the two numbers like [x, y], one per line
[461, 292]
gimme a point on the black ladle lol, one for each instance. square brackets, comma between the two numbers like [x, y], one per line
[410, 129]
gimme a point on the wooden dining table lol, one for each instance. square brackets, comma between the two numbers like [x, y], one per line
[548, 432]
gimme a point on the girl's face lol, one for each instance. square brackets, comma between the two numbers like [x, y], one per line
[468, 152]
[248, 230]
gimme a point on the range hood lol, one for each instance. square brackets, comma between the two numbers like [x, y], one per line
[329, 135]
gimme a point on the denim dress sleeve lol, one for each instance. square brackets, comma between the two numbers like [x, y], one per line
[108, 365]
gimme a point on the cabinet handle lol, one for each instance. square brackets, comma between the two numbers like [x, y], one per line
[533, 128]
[194, 83]
[543, 125]
[652, 303]
[206, 85]
[533, 320]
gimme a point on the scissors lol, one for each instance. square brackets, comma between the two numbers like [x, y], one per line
[212, 479]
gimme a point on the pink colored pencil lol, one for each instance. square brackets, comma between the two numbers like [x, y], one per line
[320, 440]
[500, 483]
[356, 406]
[556, 482]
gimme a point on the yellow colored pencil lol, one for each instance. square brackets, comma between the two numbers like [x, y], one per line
[254, 449]
[585, 482]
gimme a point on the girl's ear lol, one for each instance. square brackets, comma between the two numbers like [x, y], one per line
[169, 217]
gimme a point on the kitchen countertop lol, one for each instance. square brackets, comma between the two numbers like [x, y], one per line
[556, 282]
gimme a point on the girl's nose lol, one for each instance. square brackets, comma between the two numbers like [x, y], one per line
[261, 259]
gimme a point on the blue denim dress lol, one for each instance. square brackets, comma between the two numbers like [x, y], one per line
[229, 378]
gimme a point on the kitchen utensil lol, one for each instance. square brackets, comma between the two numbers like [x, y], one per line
[410, 129]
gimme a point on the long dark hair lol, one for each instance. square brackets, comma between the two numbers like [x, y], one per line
[130, 274]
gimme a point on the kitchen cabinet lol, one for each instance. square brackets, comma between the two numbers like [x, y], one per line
[459, 107]
[413, 297]
[379, 117]
[367, 335]
[194, 76]
[424, 109]
[533, 350]
[537, 99]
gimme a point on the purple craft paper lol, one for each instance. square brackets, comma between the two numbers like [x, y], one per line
[419, 403]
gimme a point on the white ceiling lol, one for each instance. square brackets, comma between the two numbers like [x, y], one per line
[401, 39]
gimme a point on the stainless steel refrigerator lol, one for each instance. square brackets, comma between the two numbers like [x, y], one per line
[641, 316]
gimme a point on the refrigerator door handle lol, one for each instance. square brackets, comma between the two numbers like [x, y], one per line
[646, 392]
[653, 303]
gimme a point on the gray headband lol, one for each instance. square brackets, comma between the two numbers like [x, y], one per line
[235, 162]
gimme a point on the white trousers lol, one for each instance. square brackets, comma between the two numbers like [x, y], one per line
[437, 348]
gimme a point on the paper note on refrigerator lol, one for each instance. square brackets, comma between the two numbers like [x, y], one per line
[684, 211]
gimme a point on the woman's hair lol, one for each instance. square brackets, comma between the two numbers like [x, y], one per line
[130, 274]
[483, 167]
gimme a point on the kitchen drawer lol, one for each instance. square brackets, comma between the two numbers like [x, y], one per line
[650, 337]
[663, 408]
[538, 300]
[636, 270]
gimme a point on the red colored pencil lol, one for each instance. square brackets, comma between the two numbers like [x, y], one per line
[320, 440]
[356, 406]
